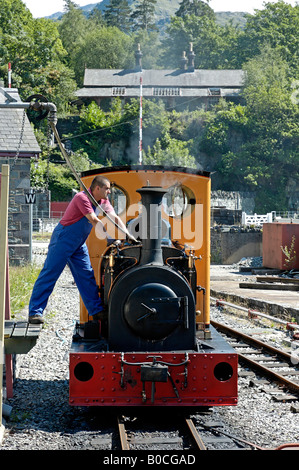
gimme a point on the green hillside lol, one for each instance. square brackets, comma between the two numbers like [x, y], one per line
[164, 11]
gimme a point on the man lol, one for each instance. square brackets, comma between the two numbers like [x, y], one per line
[67, 246]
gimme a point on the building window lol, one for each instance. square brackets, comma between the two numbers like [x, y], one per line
[118, 91]
[215, 91]
[166, 91]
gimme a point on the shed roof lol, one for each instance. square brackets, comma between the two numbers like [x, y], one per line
[11, 126]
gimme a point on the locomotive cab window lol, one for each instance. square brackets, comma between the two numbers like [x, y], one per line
[178, 201]
[118, 198]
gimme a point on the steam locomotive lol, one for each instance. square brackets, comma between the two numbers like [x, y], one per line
[155, 345]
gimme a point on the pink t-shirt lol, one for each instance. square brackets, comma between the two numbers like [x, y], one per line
[79, 206]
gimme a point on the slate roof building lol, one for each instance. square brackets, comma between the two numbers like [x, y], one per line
[10, 128]
[182, 85]
[12, 121]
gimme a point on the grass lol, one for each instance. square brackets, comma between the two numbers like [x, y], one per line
[41, 236]
[21, 279]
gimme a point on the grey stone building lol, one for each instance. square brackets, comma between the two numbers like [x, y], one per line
[17, 146]
[185, 85]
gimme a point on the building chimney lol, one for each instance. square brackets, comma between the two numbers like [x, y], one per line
[191, 57]
[184, 61]
[138, 57]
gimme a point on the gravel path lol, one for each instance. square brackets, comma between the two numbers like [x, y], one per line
[41, 418]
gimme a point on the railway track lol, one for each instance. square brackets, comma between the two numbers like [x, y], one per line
[144, 432]
[278, 365]
[192, 433]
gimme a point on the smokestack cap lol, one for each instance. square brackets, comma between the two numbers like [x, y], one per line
[151, 189]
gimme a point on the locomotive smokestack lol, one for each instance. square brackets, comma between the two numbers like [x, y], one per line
[151, 224]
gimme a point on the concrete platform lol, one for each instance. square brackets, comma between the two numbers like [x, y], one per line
[225, 282]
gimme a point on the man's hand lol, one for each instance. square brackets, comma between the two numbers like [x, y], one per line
[131, 238]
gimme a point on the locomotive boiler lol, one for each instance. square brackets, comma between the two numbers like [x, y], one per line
[155, 345]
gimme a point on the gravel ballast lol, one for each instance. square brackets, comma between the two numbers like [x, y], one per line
[41, 418]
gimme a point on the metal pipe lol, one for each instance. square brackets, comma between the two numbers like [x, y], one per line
[15, 105]
[34, 105]
[255, 312]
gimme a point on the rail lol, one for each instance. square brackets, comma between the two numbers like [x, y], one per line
[251, 313]
[268, 365]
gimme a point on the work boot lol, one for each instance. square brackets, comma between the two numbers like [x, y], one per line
[36, 319]
[99, 316]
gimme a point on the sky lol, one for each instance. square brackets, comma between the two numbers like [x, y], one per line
[40, 8]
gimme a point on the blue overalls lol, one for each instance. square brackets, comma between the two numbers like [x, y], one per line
[67, 246]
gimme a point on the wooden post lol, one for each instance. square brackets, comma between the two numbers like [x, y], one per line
[3, 265]
[8, 357]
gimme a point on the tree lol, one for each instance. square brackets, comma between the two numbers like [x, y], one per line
[277, 25]
[144, 15]
[73, 29]
[16, 40]
[224, 133]
[195, 7]
[58, 178]
[273, 120]
[97, 17]
[169, 152]
[103, 48]
[117, 13]
[36, 53]
[14, 17]
[267, 93]
[205, 35]
[255, 147]
[150, 45]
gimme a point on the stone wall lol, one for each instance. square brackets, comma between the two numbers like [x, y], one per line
[233, 200]
[229, 247]
[18, 210]
[19, 219]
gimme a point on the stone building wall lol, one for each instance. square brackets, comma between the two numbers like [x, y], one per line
[17, 146]
[233, 200]
[18, 210]
[229, 247]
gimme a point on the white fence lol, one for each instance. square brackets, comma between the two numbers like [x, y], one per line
[256, 220]
[44, 224]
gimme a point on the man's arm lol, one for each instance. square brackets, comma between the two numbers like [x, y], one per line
[92, 218]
